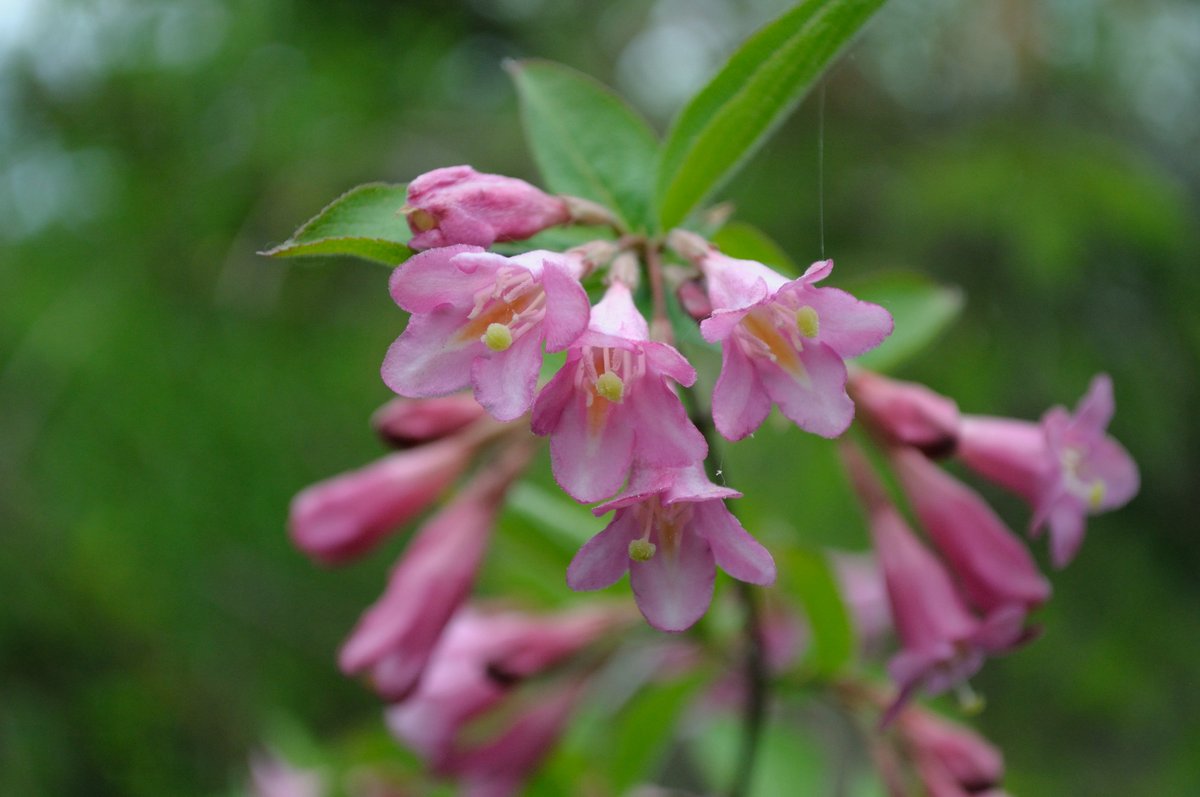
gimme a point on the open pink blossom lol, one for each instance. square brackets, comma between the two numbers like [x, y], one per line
[479, 319]
[340, 518]
[458, 205]
[478, 661]
[784, 342]
[990, 562]
[610, 405]
[395, 636]
[1066, 467]
[670, 530]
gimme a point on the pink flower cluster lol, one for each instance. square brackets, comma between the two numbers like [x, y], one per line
[973, 597]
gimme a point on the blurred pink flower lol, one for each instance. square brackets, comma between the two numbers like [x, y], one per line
[396, 636]
[458, 205]
[1066, 467]
[951, 759]
[405, 422]
[905, 413]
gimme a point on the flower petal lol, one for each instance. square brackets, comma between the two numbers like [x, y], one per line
[735, 551]
[847, 325]
[427, 359]
[674, 587]
[604, 558]
[505, 381]
[430, 279]
[591, 449]
[740, 402]
[1096, 408]
[567, 308]
[814, 399]
[664, 434]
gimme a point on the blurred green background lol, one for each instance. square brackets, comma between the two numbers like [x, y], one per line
[163, 391]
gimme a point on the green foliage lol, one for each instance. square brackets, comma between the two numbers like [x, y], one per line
[586, 140]
[745, 241]
[731, 117]
[805, 572]
[364, 222]
[921, 308]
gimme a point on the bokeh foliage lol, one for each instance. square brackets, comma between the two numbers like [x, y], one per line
[163, 391]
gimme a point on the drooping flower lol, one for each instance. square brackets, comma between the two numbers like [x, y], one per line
[610, 405]
[395, 636]
[942, 642]
[906, 413]
[499, 767]
[342, 517]
[479, 660]
[784, 342]
[992, 565]
[951, 759]
[458, 205]
[1066, 467]
[670, 530]
[479, 319]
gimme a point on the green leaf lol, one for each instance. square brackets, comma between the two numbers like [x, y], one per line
[809, 575]
[747, 242]
[753, 93]
[586, 141]
[789, 761]
[363, 222]
[922, 310]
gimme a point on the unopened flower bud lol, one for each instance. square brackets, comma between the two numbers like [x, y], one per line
[694, 300]
[458, 205]
[906, 413]
[404, 422]
[688, 245]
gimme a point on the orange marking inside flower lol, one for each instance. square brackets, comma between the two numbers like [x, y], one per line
[781, 349]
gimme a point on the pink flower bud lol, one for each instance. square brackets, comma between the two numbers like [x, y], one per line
[458, 205]
[951, 759]
[342, 517]
[272, 776]
[906, 413]
[478, 661]
[993, 566]
[409, 422]
[396, 636]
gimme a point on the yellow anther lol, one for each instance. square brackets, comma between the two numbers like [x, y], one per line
[498, 337]
[808, 322]
[642, 550]
[1096, 494]
[610, 386]
[419, 219]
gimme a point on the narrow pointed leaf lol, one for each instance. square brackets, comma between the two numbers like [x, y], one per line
[753, 93]
[809, 575]
[364, 222]
[747, 242]
[921, 308]
[586, 141]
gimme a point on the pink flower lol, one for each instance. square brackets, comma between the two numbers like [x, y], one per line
[1066, 467]
[906, 413]
[396, 636]
[785, 342]
[993, 566]
[458, 205]
[610, 404]
[670, 530]
[951, 759]
[942, 642]
[478, 661]
[342, 517]
[479, 319]
[405, 423]
[273, 776]
[499, 767]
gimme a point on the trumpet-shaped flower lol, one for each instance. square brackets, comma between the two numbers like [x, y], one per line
[458, 205]
[479, 319]
[784, 342]
[610, 405]
[670, 530]
[1066, 467]
[477, 663]
[906, 413]
[951, 759]
[397, 634]
[405, 423]
[992, 565]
